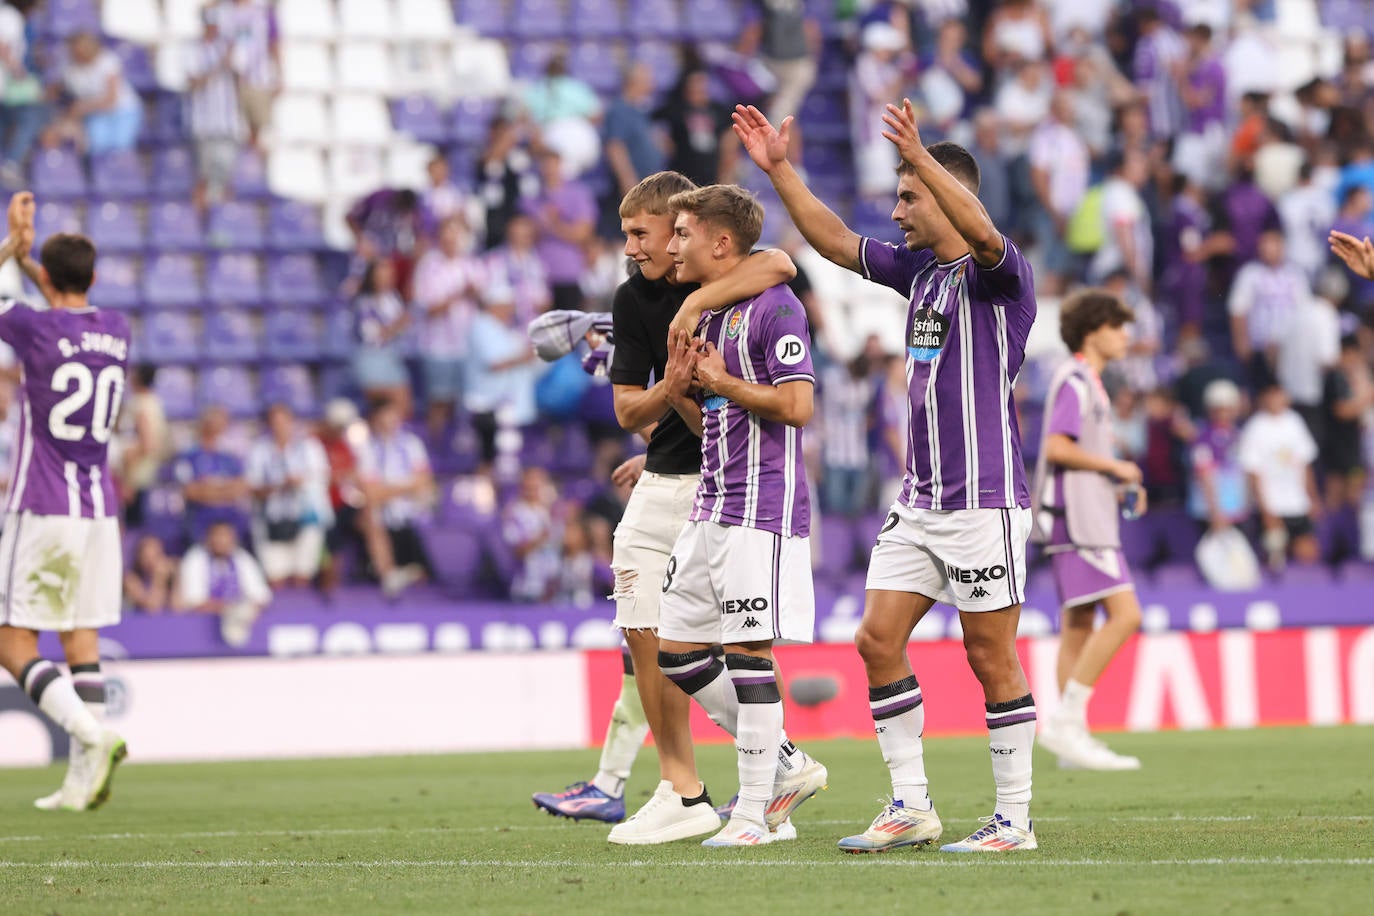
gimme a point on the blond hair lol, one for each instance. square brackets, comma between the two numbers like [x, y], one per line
[653, 194]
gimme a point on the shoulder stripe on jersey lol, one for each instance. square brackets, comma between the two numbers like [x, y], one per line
[970, 399]
[863, 257]
[800, 377]
[1006, 246]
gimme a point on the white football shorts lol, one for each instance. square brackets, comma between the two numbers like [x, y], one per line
[730, 584]
[974, 559]
[657, 510]
[59, 573]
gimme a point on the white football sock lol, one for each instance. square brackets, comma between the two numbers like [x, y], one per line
[1073, 705]
[624, 738]
[1011, 737]
[703, 677]
[54, 694]
[760, 732]
[899, 718]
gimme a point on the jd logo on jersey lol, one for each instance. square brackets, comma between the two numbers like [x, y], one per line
[986, 574]
[928, 331]
[790, 350]
[740, 605]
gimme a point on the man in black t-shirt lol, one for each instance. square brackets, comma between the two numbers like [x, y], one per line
[644, 305]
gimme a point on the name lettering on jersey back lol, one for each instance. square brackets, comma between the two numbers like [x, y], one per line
[94, 342]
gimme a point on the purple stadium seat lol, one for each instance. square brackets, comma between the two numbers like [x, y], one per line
[67, 17]
[232, 387]
[712, 20]
[293, 386]
[174, 172]
[176, 386]
[114, 227]
[294, 226]
[120, 174]
[336, 381]
[166, 123]
[654, 19]
[487, 17]
[593, 63]
[249, 178]
[56, 217]
[419, 117]
[596, 19]
[138, 70]
[538, 19]
[338, 331]
[235, 224]
[294, 279]
[168, 337]
[170, 279]
[174, 226]
[528, 60]
[117, 283]
[56, 174]
[292, 335]
[234, 279]
[470, 119]
[231, 337]
[662, 57]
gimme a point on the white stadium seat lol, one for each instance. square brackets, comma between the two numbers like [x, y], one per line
[421, 68]
[181, 19]
[133, 20]
[298, 173]
[481, 69]
[424, 20]
[363, 65]
[300, 118]
[407, 165]
[334, 223]
[306, 66]
[360, 119]
[312, 19]
[170, 65]
[375, 19]
[356, 170]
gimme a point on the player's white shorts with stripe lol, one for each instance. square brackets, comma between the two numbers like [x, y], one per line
[974, 559]
[654, 516]
[60, 573]
[731, 584]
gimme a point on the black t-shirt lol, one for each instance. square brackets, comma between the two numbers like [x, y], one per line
[641, 313]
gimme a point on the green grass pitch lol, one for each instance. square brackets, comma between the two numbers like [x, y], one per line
[1272, 820]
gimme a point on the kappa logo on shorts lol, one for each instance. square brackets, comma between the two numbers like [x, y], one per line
[980, 592]
[986, 574]
[741, 605]
[750, 623]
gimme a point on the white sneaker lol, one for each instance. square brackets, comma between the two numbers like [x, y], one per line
[894, 827]
[1078, 750]
[70, 797]
[101, 760]
[791, 790]
[740, 832]
[666, 817]
[996, 835]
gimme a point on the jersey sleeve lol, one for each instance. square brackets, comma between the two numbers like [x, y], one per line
[1009, 281]
[14, 320]
[633, 361]
[787, 342]
[887, 264]
[1066, 414]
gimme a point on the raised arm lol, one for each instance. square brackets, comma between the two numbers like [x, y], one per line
[756, 273]
[767, 146]
[960, 205]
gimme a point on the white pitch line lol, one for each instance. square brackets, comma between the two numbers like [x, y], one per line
[564, 825]
[561, 865]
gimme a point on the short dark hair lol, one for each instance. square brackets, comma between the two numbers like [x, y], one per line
[956, 160]
[1087, 310]
[69, 260]
[725, 207]
[145, 373]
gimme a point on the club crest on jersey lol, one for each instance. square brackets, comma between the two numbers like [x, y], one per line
[733, 324]
[928, 331]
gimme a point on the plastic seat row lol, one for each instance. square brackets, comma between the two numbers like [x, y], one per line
[227, 336]
[176, 226]
[180, 280]
[695, 20]
[244, 392]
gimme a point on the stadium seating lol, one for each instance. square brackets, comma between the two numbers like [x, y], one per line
[115, 227]
[168, 280]
[235, 224]
[232, 387]
[174, 226]
[294, 279]
[292, 335]
[234, 279]
[168, 337]
[117, 284]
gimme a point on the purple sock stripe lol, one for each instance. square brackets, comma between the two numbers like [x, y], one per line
[1014, 719]
[757, 679]
[899, 704]
[686, 673]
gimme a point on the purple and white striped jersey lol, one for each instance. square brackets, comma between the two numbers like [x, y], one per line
[751, 468]
[966, 339]
[74, 363]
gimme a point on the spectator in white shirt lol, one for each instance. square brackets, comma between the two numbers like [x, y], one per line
[1276, 452]
[397, 483]
[217, 125]
[105, 113]
[875, 81]
[220, 577]
[1308, 212]
[528, 527]
[1023, 103]
[1127, 242]
[1264, 297]
[449, 281]
[1059, 167]
[252, 27]
[289, 474]
[1308, 350]
[501, 373]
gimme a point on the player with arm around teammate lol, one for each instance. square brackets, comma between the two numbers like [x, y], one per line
[1076, 502]
[60, 553]
[740, 571]
[957, 533]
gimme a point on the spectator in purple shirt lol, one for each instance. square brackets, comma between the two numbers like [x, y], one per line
[1159, 52]
[393, 224]
[1249, 213]
[564, 214]
[1200, 151]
